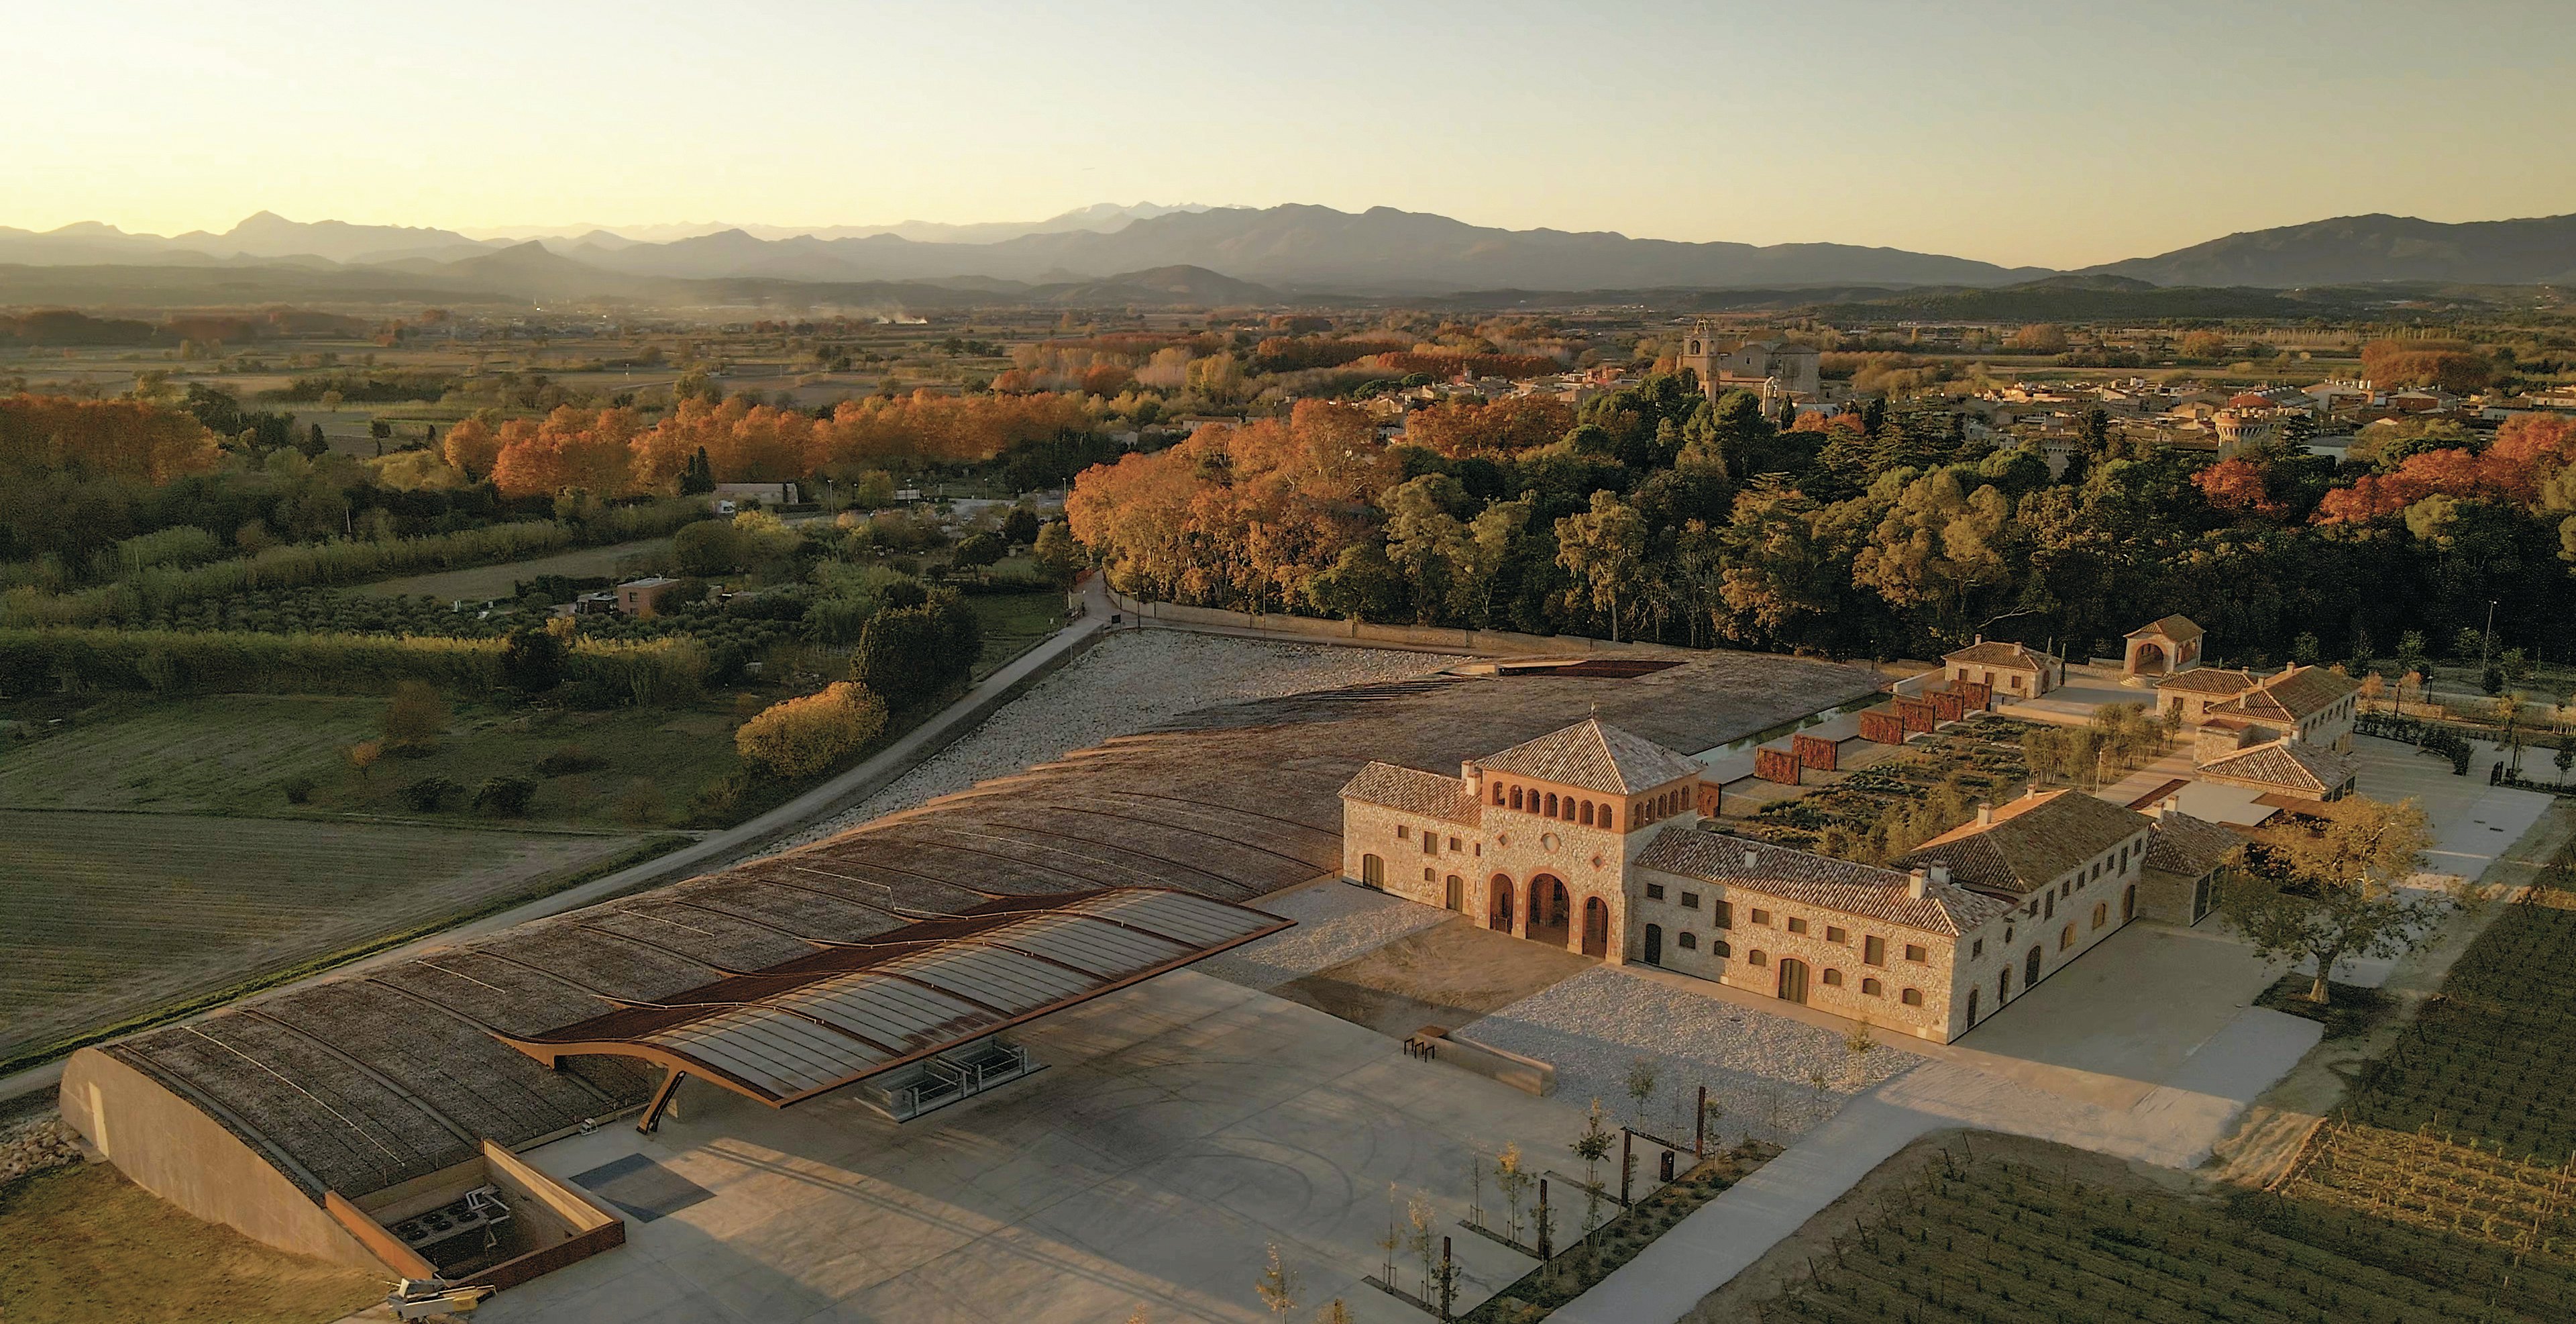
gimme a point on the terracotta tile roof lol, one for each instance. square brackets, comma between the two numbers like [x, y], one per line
[2209, 680]
[1992, 654]
[1817, 880]
[2180, 843]
[2031, 842]
[1595, 756]
[2285, 763]
[1415, 792]
[2290, 696]
[2176, 627]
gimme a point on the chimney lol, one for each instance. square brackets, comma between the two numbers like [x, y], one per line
[1940, 873]
[1473, 778]
[2169, 805]
[1916, 883]
[1751, 857]
[1986, 813]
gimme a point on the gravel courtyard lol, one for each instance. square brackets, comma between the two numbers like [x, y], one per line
[1764, 1071]
[1128, 682]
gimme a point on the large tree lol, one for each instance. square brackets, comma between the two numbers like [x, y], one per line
[2337, 891]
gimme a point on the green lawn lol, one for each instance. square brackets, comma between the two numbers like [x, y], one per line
[1012, 623]
[235, 754]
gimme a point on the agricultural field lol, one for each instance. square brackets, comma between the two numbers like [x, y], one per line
[109, 917]
[620, 768]
[2444, 1189]
[495, 581]
[86, 1246]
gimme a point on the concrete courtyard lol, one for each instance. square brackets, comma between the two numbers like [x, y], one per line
[1182, 1126]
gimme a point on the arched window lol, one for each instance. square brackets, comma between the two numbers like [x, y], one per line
[1872, 988]
[1834, 977]
[2066, 939]
[1585, 815]
[1718, 947]
[2101, 914]
[1913, 997]
[1690, 942]
[1498, 793]
[1753, 957]
[1551, 804]
[1516, 797]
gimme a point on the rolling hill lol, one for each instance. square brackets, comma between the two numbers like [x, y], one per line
[2350, 250]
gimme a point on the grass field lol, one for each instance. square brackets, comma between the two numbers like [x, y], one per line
[109, 917]
[494, 581]
[234, 754]
[83, 1245]
[1012, 623]
[2444, 1189]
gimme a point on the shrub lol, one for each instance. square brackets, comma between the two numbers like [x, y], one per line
[568, 760]
[977, 550]
[299, 790]
[801, 737]
[508, 796]
[532, 660]
[429, 793]
[415, 717]
[255, 662]
[909, 654]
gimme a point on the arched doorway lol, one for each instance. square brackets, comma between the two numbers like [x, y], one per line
[1498, 903]
[1596, 927]
[2003, 986]
[2128, 903]
[1654, 944]
[2030, 968]
[1793, 979]
[1549, 909]
[1972, 1007]
[2151, 660]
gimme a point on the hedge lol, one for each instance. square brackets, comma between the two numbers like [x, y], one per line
[154, 588]
[33, 660]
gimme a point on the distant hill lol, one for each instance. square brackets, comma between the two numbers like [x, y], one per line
[2352, 250]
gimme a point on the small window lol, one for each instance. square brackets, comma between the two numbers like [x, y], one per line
[1975, 950]
[1834, 977]
[1654, 891]
[1726, 914]
[1834, 933]
[2066, 939]
[2101, 914]
[1690, 942]
[1762, 918]
[2031, 908]
[1718, 947]
[1753, 957]
[1914, 952]
[1912, 997]
[1873, 950]
[1430, 843]
[1453, 843]
[1404, 832]
[1690, 900]
[1797, 925]
[1430, 874]
[1872, 988]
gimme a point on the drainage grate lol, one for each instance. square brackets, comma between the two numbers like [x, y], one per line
[643, 1188]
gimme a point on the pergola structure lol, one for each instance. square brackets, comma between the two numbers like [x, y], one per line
[790, 1031]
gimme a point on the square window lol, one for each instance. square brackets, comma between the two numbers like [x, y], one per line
[1762, 917]
[1453, 843]
[1690, 900]
[1914, 952]
[1654, 891]
[1404, 832]
[1797, 925]
[1835, 934]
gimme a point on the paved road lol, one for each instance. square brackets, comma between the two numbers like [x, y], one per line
[747, 839]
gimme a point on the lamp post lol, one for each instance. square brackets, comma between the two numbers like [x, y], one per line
[2486, 642]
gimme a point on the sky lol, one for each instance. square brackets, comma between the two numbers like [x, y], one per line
[2053, 134]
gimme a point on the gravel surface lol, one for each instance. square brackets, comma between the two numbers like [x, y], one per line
[1593, 1027]
[1336, 921]
[1130, 681]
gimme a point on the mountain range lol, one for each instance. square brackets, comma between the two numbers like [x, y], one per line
[1148, 253]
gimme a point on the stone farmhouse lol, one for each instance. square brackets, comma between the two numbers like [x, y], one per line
[2009, 671]
[2289, 733]
[1591, 838]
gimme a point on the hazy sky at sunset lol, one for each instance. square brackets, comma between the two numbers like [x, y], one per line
[2049, 133]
